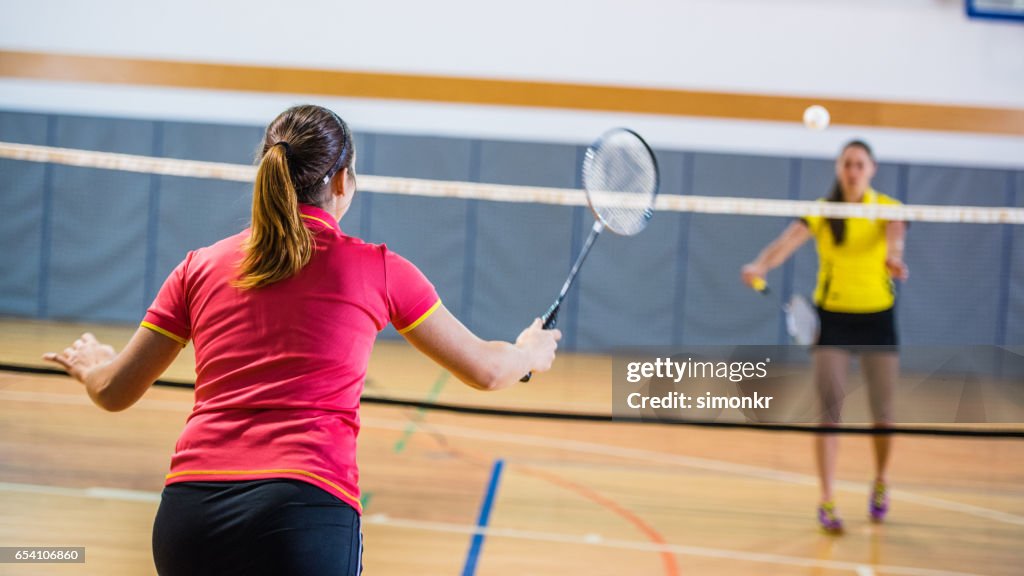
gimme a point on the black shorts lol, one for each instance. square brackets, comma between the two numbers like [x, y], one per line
[874, 331]
[258, 527]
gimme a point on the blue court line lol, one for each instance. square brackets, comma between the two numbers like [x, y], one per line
[477, 543]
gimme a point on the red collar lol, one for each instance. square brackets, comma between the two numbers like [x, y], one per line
[318, 217]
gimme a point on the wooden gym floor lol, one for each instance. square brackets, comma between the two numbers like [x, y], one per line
[579, 498]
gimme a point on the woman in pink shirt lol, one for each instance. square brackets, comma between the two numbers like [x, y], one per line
[283, 317]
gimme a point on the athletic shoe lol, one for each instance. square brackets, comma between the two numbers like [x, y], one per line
[829, 519]
[878, 506]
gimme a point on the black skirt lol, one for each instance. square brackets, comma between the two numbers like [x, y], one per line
[873, 331]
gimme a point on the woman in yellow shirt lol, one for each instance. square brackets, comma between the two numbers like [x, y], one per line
[857, 261]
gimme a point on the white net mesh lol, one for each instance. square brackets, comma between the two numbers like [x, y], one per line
[525, 194]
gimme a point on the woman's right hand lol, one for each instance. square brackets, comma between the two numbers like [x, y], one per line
[539, 345]
[751, 273]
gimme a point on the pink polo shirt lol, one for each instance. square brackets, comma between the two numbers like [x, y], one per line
[280, 368]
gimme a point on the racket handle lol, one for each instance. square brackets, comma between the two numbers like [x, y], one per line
[548, 320]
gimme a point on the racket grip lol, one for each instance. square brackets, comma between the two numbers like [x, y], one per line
[548, 320]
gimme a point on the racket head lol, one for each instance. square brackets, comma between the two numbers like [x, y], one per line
[621, 178]
[801, 321]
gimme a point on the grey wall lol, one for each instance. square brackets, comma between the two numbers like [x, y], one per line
[95, 245]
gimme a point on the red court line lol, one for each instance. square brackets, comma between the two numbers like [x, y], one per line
[668, 559]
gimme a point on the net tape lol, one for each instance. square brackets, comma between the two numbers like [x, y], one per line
[523, 194]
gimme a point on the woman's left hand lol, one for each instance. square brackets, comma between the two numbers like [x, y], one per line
[897, 268]
[82, 356]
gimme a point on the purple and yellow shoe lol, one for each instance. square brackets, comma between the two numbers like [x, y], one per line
[878, 506]
[829, 519]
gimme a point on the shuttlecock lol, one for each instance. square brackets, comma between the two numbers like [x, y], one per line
[816, 117]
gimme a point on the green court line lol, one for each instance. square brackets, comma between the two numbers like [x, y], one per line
[411, 428]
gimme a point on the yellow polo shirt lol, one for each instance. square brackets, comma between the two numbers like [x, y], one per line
[852, 276]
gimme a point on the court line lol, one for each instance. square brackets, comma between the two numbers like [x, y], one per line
[364, 500]
[421, 413]
[591, 448]
[520, 410]
[476, 543]
[83, 400]
[534, 535]
[701, 551]
[405, 395]
[668, 560]
[698, 463]
[98, 493]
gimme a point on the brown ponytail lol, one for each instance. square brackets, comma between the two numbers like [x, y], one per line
[280, 244]
[303, 148]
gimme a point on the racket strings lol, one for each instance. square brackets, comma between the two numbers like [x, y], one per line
[621, 179]
[801, 320]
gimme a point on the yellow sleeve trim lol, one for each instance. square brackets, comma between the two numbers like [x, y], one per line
[307, 216]
[421, 318]
[160, 330]
[352, 498]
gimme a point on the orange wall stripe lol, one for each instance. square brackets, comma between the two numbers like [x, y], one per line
[450, 89]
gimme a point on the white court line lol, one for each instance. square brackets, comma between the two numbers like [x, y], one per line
[586, 447]
[83, 400]
[177, 406]
[587, 539]
[533, 535]
[120, 494]
[95, 492]
[865, 571]
[943, 504]
[694, 462]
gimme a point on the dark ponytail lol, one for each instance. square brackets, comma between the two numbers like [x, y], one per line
[838, 225]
